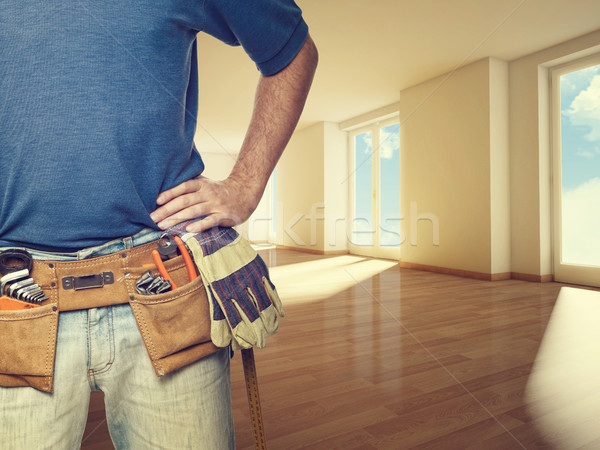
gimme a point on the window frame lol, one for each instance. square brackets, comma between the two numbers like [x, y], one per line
[565, 272]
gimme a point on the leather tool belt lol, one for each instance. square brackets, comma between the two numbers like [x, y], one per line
[174, 325]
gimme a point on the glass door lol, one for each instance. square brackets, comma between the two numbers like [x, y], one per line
[375, 191]
[576, 161]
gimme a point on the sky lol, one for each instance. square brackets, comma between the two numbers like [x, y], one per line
[580, 147]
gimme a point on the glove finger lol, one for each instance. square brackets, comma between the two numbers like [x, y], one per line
[245, 332]
[235, 346]
[273, 296]
[269, 319]
[267, 316]
[244, 335]
[220, 333]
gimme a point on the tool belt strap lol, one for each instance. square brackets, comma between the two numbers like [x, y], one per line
[94, 282]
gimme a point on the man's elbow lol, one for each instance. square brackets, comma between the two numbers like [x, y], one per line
[303, 65]
[311, 53]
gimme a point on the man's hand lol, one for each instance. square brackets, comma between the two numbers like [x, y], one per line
[225, 203]
[278, 104]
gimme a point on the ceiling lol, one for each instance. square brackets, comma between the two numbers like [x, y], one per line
[369, 50]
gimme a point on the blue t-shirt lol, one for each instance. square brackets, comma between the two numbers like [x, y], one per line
[98, 104]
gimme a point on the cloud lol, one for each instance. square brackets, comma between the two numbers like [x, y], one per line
[585, 110]
[580, 224]
[585, 153]
[368, 140]
[388, 143]
[580, 79]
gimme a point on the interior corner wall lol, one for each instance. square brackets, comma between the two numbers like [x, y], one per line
[499, 168]
[335, 160]
[445, 170]
[300, 191]
[530, 154]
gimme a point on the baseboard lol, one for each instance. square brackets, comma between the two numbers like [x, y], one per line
[500, 276]
[532, 277]
[313, 251]
[480, 275]
[457, 272]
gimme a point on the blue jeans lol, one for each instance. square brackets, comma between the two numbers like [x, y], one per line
[101, 349]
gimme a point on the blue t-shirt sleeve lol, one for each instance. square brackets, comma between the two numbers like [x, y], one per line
[271, 32]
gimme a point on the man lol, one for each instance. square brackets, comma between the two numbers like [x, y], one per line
[97, 118]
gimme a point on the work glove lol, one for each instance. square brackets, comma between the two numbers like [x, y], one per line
[243, 302]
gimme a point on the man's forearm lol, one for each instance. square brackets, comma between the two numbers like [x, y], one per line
[278, 105]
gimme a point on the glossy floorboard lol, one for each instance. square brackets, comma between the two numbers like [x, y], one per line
[372, 356]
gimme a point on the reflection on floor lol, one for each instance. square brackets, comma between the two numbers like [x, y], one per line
[373, 356]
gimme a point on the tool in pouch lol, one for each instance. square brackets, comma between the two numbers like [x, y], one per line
[18, 290]
[151, 284]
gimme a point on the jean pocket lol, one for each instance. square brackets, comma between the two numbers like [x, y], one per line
[175, 326]
[28, 347]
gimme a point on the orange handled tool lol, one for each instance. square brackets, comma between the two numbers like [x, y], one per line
[162, 269]
[189, 263]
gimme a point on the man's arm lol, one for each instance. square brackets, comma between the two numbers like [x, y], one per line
[278, 104]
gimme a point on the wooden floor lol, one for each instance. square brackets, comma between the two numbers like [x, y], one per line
[372, 356]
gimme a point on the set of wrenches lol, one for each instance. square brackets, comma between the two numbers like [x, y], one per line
[16, 281]
[20, 285]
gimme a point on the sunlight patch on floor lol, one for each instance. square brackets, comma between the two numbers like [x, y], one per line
[314, 280]
[564, 386]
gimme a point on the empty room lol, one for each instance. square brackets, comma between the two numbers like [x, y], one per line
[437, 275]
[431, 230]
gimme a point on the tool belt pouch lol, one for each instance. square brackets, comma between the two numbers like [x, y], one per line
[175, 325]
[28, 347]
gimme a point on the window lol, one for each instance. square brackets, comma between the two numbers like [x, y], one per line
[375, 190]
[576, 143]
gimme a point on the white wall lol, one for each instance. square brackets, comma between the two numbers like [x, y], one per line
[312, 190]
[447, 128]
[300, 190]
[495, 205]
[217, 166]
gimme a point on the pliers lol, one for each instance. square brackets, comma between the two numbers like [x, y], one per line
[189, 263]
